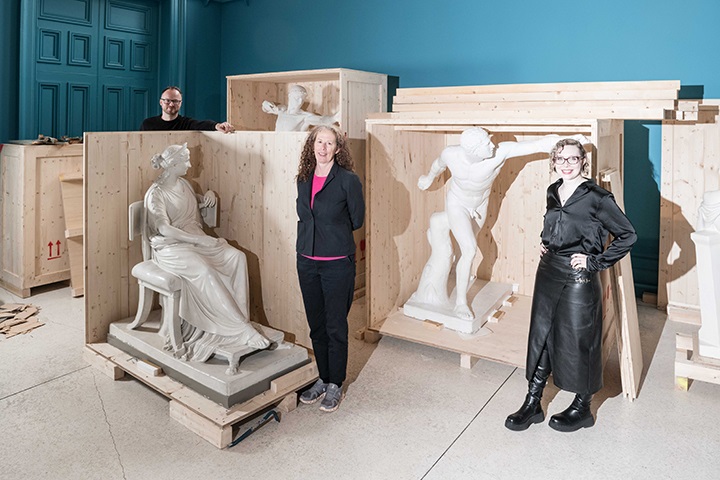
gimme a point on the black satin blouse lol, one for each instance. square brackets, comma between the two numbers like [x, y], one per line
[583, 223]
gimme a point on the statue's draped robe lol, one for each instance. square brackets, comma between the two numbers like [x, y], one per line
[214, 293]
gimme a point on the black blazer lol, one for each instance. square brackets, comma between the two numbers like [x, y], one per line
[339, 208]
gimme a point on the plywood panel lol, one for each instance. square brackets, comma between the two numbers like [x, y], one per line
[690, 166]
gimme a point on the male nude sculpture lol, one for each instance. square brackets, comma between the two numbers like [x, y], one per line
[292, 118]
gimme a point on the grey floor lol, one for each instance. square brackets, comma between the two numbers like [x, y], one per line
[410, 413]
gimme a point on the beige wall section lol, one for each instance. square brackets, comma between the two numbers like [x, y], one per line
[253, 174]
[399, 211]
[690, 167]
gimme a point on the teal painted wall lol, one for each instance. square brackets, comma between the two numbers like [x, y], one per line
[204, 84]
[474, 42]
[9, 68]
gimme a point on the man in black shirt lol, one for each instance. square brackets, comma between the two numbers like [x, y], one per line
[170, 101]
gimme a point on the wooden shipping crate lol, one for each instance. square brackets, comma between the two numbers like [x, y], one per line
[34, 247]
[400, 149]
[353, 93]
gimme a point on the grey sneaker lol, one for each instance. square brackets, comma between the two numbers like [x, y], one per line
[314, 393]
[332, 399]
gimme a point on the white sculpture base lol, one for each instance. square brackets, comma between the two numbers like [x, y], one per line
[707, 248]
[211, 378]
[485, 298]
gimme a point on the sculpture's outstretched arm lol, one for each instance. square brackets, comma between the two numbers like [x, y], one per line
[269, 107]
[315, 120]
[437, 167]
[540, 145]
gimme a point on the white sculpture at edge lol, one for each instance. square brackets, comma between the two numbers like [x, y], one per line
[214, 291]
[292, 118]
[474, 165]
[707, 250]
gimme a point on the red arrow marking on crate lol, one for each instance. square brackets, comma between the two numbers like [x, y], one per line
[50, 245]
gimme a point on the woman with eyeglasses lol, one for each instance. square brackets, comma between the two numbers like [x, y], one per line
[566, 317]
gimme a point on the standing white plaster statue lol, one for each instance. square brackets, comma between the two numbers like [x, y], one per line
[707, 250]
[292, 118]
[474, 165]
[214, 291]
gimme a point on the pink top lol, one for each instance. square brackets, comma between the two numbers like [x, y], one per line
[317, 185]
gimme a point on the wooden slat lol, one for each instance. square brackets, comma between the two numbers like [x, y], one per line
[543, 87]
[555, 96]
[590, 105]
[631, 361]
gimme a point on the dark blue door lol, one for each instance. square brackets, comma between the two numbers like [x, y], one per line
[87, 65]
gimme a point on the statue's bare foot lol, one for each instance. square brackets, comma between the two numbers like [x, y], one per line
[463, 312]
[256, 340]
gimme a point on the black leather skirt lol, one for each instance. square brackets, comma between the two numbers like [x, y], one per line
[566, 319]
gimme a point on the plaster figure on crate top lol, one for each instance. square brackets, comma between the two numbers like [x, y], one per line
[292, 118]
[170, 119]
[474, 165]
[214, 292]
[565, 334]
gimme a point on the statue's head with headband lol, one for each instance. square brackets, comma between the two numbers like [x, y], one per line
[169, 156]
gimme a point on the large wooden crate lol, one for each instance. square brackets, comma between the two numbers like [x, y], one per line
[351, 92]
[34, 248]
[403, 144]
[690, 167]
[253, 174]
[398, 153]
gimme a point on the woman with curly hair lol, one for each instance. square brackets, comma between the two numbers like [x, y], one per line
[330, 206]
[566, 317]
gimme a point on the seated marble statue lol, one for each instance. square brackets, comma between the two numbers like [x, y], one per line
[474, 165]
[292, 118]
[214, 292]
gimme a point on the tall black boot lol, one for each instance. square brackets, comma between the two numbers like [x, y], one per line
[531, 411]
[575, 417]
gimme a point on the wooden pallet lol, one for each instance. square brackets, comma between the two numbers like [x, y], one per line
[689, 365]
[211, 421]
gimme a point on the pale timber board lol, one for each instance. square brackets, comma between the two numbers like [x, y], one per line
[631, 360]
[506, 344]
[690, 163]
[560, 96]
[524, 112]
[640, 105]
[215, 413]
[544, 87]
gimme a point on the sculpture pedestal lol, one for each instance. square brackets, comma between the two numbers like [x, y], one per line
[257, 368]
[707, 249]
[484, 298]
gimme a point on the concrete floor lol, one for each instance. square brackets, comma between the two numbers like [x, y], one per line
[410, 413]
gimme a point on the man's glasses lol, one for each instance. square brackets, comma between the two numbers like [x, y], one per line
[173, 102]
[569, 160]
